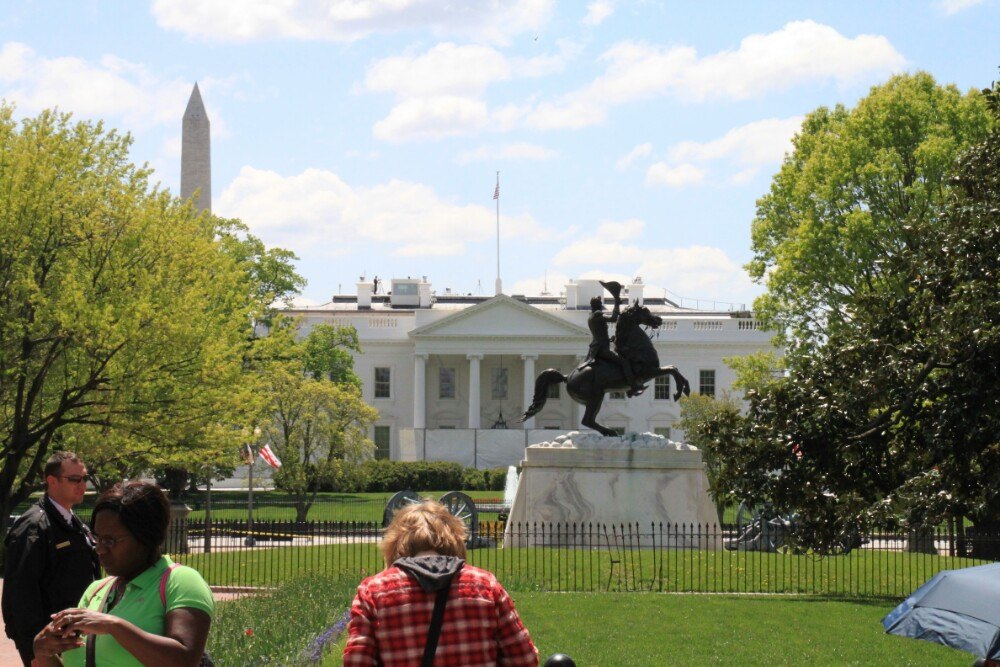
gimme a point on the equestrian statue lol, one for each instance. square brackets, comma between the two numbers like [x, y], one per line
[631, 364]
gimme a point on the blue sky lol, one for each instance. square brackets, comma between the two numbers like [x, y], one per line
[633, 138]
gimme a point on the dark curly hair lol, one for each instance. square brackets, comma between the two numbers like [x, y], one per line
[144, 511]
[597, 303]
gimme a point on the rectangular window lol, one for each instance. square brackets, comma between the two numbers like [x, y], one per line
[499, 384]
[662, 430]
[553, 391]
[446, 383]
[706, 382]
[661, 388]
[383, 382]
[382, 436]
[616, 395]
[620, 430]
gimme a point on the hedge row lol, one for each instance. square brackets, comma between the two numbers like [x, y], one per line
[384, 475]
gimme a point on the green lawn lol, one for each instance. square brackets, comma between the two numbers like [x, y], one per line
[610, 629]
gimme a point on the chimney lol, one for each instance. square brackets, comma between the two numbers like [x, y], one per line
[571, 296]
[365, 290]
[424, 290]
[635, 291]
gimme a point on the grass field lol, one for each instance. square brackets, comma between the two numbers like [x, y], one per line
[647, 630]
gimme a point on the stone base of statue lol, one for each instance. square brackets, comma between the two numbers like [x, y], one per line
[590, 490]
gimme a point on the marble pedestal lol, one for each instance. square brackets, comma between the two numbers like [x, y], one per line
[609, 497]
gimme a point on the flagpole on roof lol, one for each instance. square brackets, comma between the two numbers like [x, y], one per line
[496, 196]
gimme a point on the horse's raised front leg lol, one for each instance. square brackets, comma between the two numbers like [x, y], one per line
[683, 387]
[589, 416]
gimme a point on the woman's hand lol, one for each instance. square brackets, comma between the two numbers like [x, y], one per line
[84, 621]
[54, 639]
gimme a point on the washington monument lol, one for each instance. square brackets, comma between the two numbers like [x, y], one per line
[196, 153]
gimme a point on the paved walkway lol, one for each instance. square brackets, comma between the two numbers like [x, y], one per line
[10, 657]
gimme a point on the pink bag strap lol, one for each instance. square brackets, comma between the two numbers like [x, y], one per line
[163, 583]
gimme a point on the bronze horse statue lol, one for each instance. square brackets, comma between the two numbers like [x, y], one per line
[588, 383]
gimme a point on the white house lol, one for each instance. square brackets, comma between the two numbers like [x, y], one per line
[450, 374]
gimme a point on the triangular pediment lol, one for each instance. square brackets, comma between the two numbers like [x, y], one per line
[500, 316]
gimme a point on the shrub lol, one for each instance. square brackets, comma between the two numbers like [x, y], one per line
[392, 476]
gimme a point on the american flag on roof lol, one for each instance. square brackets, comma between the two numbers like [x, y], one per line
[269, 457]
[496, 193]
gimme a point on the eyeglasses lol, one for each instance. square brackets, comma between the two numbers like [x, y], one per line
[108, 542]
[74, 479]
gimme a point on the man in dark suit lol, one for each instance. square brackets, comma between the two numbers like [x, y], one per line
[50, 555]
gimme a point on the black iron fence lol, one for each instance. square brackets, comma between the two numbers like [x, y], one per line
[588, 557]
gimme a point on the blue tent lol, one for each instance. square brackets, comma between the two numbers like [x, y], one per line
[957, 608]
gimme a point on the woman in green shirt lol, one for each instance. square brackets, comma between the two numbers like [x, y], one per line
[147, 612]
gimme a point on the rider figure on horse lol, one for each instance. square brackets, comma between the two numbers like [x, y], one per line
[600, 345]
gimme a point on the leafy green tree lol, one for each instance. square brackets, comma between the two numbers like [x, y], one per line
[710, 424]
[316, 421]
[842, 203]
[326, 353]
[893, 419]
[122, 321]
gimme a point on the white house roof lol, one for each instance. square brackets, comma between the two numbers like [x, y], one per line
[501, 316]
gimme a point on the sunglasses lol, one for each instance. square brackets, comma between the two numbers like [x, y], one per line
[74, 479]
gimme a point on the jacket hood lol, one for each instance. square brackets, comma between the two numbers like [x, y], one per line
[432, 572]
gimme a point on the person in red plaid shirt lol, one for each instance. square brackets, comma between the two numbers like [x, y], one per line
[424, 550]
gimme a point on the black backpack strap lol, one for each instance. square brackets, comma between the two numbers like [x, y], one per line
[434, 633]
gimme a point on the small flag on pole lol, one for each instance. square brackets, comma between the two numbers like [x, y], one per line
[496, 193]
[269, 457]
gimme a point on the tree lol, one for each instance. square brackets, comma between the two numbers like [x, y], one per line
[122, 321]
[842, 203]
[709, 424]
[892, 419]
[316, 420]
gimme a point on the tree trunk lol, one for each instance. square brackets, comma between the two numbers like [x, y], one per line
[984, 540]
[921, 540]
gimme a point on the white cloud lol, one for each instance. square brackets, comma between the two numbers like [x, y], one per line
[440, 92]
[674, 177]
[639, 151]
[597, 12]
[800, 52]
[109, 88]
[616, 251]
[316, 213]
[759, 142]
[550, 282]
[348, 20]
[621, 231]
[515, 151]
[446, 69]
[432, 118]
[694, 272]
[951, 7]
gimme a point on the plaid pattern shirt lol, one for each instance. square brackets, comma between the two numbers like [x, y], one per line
[391, 615]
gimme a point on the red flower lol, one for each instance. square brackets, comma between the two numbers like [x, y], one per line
[248, 632]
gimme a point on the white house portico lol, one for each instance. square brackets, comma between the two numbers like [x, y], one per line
[450, 374]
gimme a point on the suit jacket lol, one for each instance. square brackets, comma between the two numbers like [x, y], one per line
[50, 562]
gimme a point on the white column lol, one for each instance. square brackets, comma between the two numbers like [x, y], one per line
[529, 385]
[420, 391]
[474, 389]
